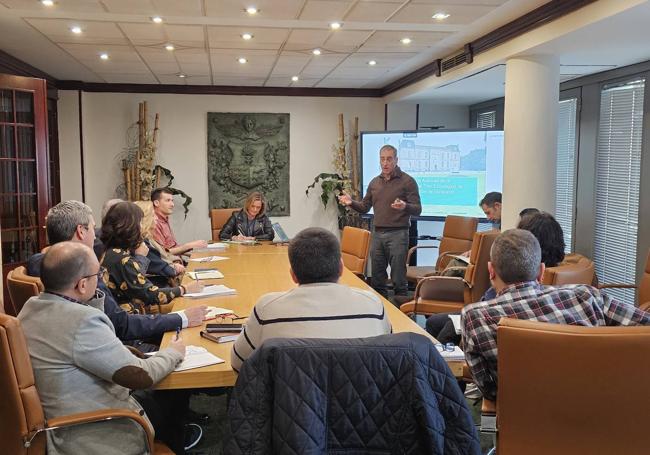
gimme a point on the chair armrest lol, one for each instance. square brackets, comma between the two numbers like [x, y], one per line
[413, 248]
[644, 306]
[440, 288]
[617, 285]
[90, 417]
[488, 407]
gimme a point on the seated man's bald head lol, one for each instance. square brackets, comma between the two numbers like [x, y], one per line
[65, 263]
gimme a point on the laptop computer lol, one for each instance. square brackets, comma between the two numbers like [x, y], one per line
[281, 236]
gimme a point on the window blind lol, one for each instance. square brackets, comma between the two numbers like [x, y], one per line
[618, 168]
[566, 169]
[486, 119]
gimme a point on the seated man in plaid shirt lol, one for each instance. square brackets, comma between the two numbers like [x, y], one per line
[515, 271]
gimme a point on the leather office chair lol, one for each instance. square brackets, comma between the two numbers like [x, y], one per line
[456, 238]
[566, 389]
[576, 270]
[441, 294]
[355, 244]
[219, 217]
[643, 288]
[21, 287]
[23, 423]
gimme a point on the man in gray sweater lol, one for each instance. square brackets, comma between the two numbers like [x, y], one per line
[79, 364]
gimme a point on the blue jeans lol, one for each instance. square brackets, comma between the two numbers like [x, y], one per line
[389, 247]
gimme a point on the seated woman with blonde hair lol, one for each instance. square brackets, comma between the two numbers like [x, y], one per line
[122, 235]
[250, 223]
[162, 265]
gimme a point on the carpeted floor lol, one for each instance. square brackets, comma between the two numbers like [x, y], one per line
[215, 407]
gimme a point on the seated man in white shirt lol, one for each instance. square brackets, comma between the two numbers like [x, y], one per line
[319, 307]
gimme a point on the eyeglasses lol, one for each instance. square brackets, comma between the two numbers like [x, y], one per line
[446, 347]
[99, 274]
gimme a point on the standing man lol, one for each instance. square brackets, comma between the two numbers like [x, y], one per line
[163, 205]
[394, 197]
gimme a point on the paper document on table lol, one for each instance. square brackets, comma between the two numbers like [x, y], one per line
[209, 259]
[217, 246]
[243, 242]
[205, 275]
[455, 319]
[213, 312]
[197, 357]
[214, 290]
[456, 354]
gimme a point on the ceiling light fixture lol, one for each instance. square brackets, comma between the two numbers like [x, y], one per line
[247, 36]
[372, 63]
[316, 52]
[242, 60]
[103, 56]
[182, 75]
[170, 47]
[294, 78]
[405, 40]
[76, 30]
[440, 16]
[47, 2]
[157, 19]
[335, 25]
[252, 10]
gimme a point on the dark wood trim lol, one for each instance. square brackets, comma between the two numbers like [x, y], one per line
[220, 90]
[417, 116]
[386, 117]
[529, 21]
[11, 65]
[81, 148]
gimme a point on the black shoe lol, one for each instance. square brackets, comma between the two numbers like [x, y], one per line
[193, 434]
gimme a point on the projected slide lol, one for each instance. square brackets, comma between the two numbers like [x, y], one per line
[454, 169]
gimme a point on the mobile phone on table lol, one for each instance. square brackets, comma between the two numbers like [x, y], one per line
[223, 328]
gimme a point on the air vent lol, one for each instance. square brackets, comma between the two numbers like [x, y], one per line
[453, 62]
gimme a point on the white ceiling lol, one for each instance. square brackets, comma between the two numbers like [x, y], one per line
[207, 38]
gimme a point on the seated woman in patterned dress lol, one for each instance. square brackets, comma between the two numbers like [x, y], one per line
[127, 279]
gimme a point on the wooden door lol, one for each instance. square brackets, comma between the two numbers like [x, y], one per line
[24, 185]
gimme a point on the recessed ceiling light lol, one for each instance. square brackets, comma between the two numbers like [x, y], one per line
[405, 40]
[182, 75]
[170, 47]
[103, 56]
[157, 19]
[316, 52]
[47, 2]
[242, 60]
[247, 36]
[76, 30]
[440, 16]
[372, 63]
[252, 10]
[294, 78]
[335, 25]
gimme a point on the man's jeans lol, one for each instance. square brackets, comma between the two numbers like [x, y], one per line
[389, 247]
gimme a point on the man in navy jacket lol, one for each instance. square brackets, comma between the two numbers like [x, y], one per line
[73, 220]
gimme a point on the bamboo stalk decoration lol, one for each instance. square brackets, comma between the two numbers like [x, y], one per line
[354, 157]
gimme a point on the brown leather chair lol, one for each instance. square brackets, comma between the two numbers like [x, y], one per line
[21, 287]
[355, 244]
[576, 269]
[441, 294]
[23, 422]
[219, 217]
[567, 389]
[456, 238]
[643, 288]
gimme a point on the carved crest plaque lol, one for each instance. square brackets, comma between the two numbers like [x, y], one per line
[246, 153]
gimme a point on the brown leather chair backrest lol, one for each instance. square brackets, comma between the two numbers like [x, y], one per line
[566, 389]
[21, 287]
[577, 270]
[476, 274]
[644, 284]
[457, 234]
[219, 217]
[21, 410]
[355, 244]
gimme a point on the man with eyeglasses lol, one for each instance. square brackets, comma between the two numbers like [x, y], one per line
[81, 366]
[516, 269]
[73, 221]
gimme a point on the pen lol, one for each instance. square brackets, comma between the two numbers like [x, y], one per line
[178, 332]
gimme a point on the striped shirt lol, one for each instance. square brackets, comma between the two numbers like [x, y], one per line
[318, 310]
[572, 305]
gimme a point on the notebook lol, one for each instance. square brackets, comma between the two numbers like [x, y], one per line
[209, 259]
[279, 232]
[456, 354]
[197, 357]
[205, 274]
[213, 312]
[210, 291]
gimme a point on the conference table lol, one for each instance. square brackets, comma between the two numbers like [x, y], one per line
[252, 270]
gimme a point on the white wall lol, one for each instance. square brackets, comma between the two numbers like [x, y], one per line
[402, 116]
[183, 149]
[447, 116]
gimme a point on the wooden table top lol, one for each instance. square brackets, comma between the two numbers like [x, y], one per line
[253, 270]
